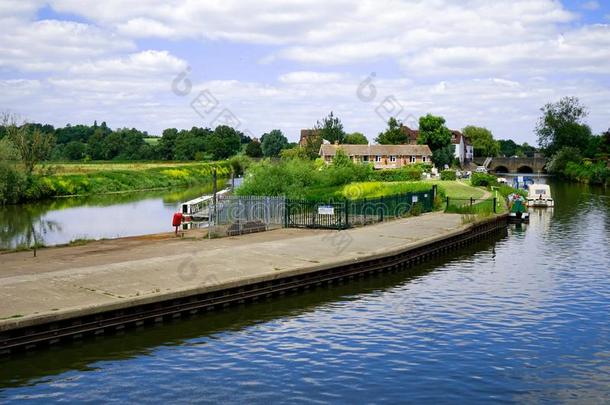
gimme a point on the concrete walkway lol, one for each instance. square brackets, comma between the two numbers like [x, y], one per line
[72, 281]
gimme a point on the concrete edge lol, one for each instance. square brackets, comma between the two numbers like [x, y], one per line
[122, 303]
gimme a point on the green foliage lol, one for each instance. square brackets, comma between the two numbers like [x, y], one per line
[509, 148]
[355, 138]
[74, 150]
[559, 161]
[12, 183]
[273, 142]
[443, 156]
[588, 172]
[506, 190]
[483, 208]
[483, 179]
[295, 153]
[99, 182]
[405, 173]
[393, 135]
[448, 175]
[331, 129]
[239, 164]
[32, 144]
[482, 141]
[254, 149]
[416, 209]
[561, 125]
[433, 132]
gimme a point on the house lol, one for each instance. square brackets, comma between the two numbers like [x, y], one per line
[463, 150]
[381, 156]
[307, 135]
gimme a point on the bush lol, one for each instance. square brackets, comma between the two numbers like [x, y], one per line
[483, 179]
[407, 173]
[416, 209]
[12, 184]
[448, 175]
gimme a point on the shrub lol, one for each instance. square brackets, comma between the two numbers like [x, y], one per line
[12, 184]
[416, 209]
[407, 173]
[448, 175]
[483, 179]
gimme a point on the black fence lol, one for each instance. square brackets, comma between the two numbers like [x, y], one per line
[341, 214]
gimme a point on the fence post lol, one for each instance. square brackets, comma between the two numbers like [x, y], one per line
[495, 205]
[285, 213]
[382, 208]
[471, 202]
[447, 206]
[346, 213]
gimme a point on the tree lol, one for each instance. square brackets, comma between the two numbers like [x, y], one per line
[482, 141]
[561, 125]
[443, 156]
[223, 142]
[561, 158]
[355, 138]
[253, 149]
[433, 132]
[95, 146]
[165, 146]
[32, 144]
[75, 150]
[273, 142]
[508, 147]
[331, 129]
[393, 135]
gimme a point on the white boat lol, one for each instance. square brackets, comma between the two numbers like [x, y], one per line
[539, 195]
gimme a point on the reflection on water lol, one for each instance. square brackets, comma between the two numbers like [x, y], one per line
[63, 220]
[520, 319]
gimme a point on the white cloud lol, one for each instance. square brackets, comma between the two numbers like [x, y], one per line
[309, 77]
[54, 45]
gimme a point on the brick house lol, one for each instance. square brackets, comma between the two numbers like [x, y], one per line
[462, 148]
[381, 156]
[307, 134]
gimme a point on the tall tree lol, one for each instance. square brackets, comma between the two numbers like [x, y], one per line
[32, 144]
[433, 132]
[331, 129]
[561, 125]
[482, 141]
[356, 138]
[393, 135]
[253, 149]
[273, 142]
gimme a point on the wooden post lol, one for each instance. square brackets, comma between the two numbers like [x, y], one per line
[495, 205]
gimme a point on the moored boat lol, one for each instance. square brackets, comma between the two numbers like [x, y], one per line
[539, 195]
[517, 209]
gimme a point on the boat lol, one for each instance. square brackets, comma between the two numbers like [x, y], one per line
[539, 195]
[517, 209]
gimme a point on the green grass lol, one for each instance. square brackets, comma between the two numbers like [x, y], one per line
[117, 178]
[375, 189]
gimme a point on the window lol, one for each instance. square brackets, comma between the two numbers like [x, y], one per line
[378, 158]
[413, 159]
[365, 158]
[423, 159]
[392, 158]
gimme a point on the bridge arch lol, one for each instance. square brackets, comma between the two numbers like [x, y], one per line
[501, 169]
[525, 169]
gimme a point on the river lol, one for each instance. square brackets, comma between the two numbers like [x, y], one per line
[64, 220]
[522, 318]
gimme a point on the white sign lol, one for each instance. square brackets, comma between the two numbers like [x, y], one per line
[414, 199]
[326, 210]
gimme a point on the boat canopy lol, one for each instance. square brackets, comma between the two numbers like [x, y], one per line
[539, 191]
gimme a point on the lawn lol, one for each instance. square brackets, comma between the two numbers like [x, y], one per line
[375, 189]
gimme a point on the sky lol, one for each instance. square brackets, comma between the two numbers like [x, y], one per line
[285, 64]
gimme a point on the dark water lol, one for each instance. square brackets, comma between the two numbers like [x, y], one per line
[524, 318]
[63, 220]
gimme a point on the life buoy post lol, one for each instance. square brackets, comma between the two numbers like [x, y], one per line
[177, 221]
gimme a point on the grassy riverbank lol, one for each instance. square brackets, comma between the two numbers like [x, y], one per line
[89, 179]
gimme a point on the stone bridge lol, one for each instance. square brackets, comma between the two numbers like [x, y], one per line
[517, 165]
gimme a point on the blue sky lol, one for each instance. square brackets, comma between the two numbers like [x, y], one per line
[276, 64]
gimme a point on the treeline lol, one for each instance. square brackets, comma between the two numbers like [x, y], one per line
[573, 152]
[100, 142]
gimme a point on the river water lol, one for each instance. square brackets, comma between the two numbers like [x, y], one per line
[522, 318]
[64, 220]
